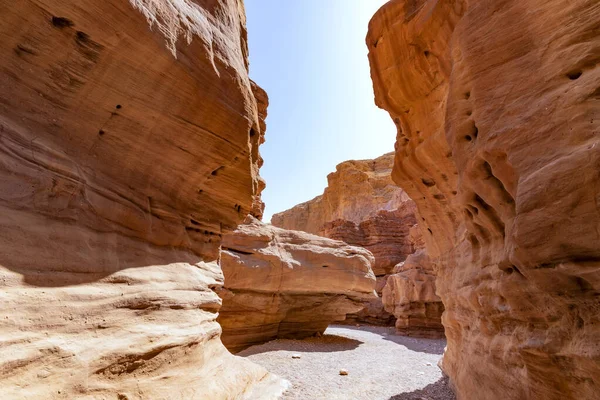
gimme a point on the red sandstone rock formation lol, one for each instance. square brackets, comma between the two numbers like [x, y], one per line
[409, 293]
[497, 109]
[361, 206]
[356, 191]
[129, 136]
[288, 284]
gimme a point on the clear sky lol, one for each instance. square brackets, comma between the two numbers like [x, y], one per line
[311, 58]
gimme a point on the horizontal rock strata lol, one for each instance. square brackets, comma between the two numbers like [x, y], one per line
[409, 294]
[129, 135]
[361, 206]
[288, 284]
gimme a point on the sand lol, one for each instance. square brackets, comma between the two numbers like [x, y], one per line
[380, 364]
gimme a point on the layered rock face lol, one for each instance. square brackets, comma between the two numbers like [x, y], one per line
[129, 137]
[409, 294]
[361, 206]
[497, 109]
[288, 284]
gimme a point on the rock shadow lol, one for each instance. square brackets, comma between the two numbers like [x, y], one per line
[323, 344]
[421, 345]
[439, 390]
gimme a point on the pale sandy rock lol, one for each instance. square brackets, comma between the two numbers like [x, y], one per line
[129, 136]
[288, 284]
[496, 105]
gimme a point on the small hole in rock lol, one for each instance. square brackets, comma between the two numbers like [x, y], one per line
[468, 95]
[426, 52]
[574, 75]
[118, 106]
[468, 138]
[325, 266]
[61, 22]
[428, 182]
[101, 132]
[430, 231]
[82, 36]
[252, 132]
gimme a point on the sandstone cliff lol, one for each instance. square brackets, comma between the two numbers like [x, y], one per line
[288, 284]
[361, 206]
[129, 136]
[496, 105]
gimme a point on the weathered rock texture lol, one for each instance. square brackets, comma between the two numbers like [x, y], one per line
[497, 108]
[361, 206]
[409, 293]
[129, 137]
[288, 284]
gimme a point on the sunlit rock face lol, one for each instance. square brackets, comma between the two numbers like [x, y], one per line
[497, 109]
[288, 284]
[129, 135]
[361, 206]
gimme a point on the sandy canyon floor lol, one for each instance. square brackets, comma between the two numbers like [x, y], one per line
[381, 365]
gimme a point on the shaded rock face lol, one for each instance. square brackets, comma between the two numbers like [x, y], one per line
[409, 294]
[385, 235]
[497, 109]
[288, 284]
[129, 136]
[361, 206]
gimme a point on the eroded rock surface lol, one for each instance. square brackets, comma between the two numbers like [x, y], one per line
[409, 293]
[497, 109]
[129, 137]
[361, 206]
[288, 284]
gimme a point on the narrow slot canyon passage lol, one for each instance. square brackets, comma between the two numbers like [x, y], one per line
[420, 220]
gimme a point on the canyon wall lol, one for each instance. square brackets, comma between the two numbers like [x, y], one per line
[497, 105]
[288, 284]
[409, 293]
[129, 135]
[361, 206]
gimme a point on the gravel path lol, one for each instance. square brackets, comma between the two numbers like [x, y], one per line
[381, 365]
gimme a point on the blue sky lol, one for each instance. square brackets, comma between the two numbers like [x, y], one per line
[311, 58]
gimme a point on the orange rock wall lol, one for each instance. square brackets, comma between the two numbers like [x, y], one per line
[129, 135]
[497, 109]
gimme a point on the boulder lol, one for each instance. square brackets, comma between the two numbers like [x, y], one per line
[288, 284]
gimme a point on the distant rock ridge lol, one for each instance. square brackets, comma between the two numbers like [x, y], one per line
[497, 110]
[362, 206]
